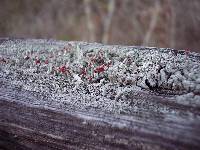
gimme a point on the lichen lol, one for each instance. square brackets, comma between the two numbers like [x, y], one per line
[100, 77]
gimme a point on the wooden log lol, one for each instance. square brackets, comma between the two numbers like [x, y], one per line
[159, 123]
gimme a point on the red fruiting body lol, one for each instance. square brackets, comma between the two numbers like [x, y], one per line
[37, 61]
[83, 71]
[63, 69]
[90, 78]
[100, 69]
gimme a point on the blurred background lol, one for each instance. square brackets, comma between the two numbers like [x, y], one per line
[157, 23]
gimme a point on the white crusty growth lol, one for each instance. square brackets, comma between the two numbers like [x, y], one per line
[96, 76]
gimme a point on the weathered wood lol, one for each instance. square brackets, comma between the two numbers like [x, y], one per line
[40, 128]
[28, 125]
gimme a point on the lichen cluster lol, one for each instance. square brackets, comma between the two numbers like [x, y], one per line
[98, 77]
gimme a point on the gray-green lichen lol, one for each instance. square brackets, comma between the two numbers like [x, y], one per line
[97, 76]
